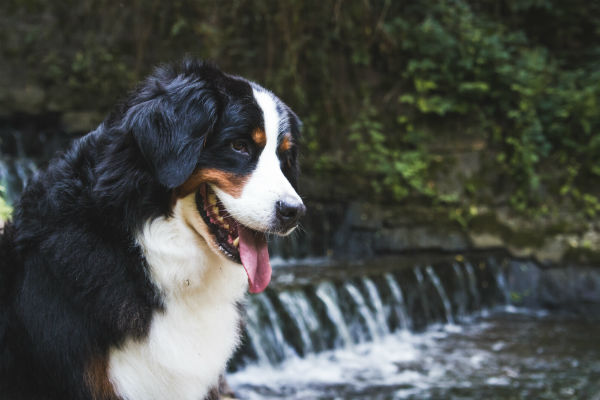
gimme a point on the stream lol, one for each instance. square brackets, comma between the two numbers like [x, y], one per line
[444, 331]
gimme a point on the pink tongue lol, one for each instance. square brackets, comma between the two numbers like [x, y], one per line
[255, 259]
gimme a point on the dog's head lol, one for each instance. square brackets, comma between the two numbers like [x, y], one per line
[227, 149]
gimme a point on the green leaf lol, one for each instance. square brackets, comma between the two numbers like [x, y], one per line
[473, 87]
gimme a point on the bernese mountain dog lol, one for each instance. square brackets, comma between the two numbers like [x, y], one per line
[122, 271]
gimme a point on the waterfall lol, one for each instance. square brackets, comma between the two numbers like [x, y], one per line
[473, 285]
[500, 281]
[422, 294]
[253, 333]
[14, 175]
[284, 350]
[296, 305]
[285, 323]
[24, 168]
[378, 306]
[326, 292]
[363, 310]
[442, 293]
[399, 305]
[16, 169]
[461, 295]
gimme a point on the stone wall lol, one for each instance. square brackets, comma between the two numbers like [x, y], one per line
[362, 228]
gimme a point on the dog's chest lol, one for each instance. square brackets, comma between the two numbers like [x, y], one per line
[190, 341]
[186, 350]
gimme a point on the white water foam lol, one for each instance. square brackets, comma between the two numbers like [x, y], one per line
[370, 363]
[401, 360]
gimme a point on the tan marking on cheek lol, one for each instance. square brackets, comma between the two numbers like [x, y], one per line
[286, 143]
[228, 182]
[96, 378]
[259, 137]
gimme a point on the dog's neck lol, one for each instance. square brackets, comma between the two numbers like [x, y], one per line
[180, 261]
[191, 340]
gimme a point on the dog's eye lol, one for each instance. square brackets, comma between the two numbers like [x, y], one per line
[240, 146]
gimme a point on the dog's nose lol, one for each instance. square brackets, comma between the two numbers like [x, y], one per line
[288, 212]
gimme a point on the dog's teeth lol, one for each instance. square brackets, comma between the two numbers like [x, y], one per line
[236, 242]
[215, 210]
[212, 199]
[226, 226]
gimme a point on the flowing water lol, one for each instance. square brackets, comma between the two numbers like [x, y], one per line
[442, 331]
[514, 356]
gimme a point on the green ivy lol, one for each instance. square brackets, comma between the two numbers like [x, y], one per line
[399, 171]
[539, 112]
[5, 209]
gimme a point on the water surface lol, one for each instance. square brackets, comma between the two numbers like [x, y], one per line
[508, 354]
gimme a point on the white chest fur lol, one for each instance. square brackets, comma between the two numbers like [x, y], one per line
[189, 342]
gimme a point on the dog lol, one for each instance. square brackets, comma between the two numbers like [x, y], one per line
[126, 261]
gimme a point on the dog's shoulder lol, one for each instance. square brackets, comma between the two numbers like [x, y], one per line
[78, 244]
[79, 285]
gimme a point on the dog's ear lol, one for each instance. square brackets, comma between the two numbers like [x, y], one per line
[170, 134]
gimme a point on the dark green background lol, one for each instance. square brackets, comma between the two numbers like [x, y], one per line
[393, 94]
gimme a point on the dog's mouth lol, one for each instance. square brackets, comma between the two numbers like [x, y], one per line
[234, 240]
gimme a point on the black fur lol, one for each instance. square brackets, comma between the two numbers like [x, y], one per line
[73, 282]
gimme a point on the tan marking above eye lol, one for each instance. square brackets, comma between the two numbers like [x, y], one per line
[286, 143]
[226, 181]
[260, 137]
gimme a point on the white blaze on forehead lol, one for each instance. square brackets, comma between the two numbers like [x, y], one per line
[271, 120]
[267, 185]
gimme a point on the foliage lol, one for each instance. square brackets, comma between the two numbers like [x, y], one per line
[537, 109]
[399, 170]
[384, 87]
[5, 209]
